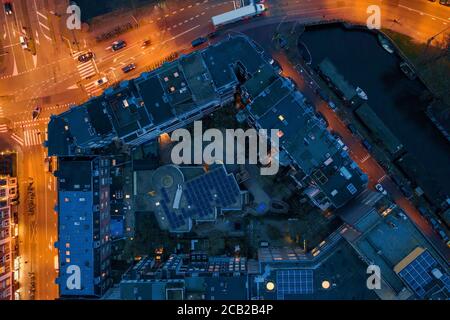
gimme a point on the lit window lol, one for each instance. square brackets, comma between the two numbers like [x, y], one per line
[67, 245]
[67, 253]
[281, 117]
[66, 199]
[67, 260]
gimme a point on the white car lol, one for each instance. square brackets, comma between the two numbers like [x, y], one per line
[380, 188]
[102, 81]
[23, 42]
[341, 144]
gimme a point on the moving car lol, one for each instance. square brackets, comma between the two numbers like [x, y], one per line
[117, 45]
[85, 57]
[129, 68]
[380, 189]
[101, 81]
[36, 112]
[8, 8]
[198, 41]
[23, 42]
[146, 43]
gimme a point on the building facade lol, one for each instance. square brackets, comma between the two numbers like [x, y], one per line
[84, 240]
[8, 239]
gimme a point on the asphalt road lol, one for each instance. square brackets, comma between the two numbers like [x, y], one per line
[54, 79]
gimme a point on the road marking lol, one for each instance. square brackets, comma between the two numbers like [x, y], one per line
[382, 178]
[32, 137]
[365, 158]
[44, 25]
[3, 128]
[42, 15]
[18, 139]
[421, 13]
[180, 34]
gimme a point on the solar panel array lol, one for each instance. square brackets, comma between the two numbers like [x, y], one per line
[295, 281]
[417, 273]
[175, 221]
[213, 189]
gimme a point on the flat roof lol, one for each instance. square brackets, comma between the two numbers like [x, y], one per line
[330, 71]
[378, 128]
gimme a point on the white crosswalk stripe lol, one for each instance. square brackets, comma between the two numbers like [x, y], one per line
[3, 128]
[18, 139]
[33, 137]
[1, 112]
[365, 158]
[92, 88]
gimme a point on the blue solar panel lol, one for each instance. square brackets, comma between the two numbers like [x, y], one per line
[417, 273]
[294, 282]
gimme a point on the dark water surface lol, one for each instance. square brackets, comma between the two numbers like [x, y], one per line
[396, 99]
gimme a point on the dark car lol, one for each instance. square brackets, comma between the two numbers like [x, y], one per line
[198, 41]
[8, 8]
[129, 68]
[117, 45]
[146, 43]
[322, 119]
[445, 2]
[36, 112]
[85, 57]
[352, 128]
[367, 144]
[406, 192]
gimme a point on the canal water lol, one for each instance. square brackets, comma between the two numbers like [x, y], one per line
[358, 56]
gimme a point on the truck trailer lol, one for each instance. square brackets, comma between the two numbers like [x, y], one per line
[238, 14]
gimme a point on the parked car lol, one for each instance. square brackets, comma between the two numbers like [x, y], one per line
[367, 144]
[117, 45]
[129, 68]
[198, 41]
[8, 8]
[352, 128]
[406, 192]
[102, 81]
[443, 235]
[380, 189]
[434, 223]
[322, 119]
[85, 57]
[332, 105]
[402, 215]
